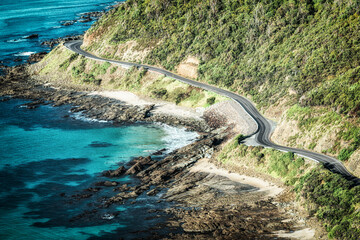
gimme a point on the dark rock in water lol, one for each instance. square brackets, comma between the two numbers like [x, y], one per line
[114, 173]
[52, 42]
[34, 104]
[108, 216]
[81, 196]
[17, 60]
[97, 144]
[68, 23]
[122, 188]
[36, 57]
[4, 99]
[153, 192]
[137, 167]
[160, 152]
[32, 36]
[106, 184]
[95, 15]
[85, 20]
[142, 160]
[93, 189]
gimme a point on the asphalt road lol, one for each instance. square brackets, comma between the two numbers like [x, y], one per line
[263, 133]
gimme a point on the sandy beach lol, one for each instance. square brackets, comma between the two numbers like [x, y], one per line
[161, 107]
[268, 188]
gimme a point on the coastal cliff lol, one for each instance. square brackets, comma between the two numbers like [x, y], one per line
[287, 56]
[297, 61]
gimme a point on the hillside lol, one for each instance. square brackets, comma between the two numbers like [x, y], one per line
[297, 60]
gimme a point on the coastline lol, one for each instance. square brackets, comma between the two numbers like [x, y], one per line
[188, 174]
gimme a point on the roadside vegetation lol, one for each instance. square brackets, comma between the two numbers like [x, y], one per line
[329, 197]
[82, 71]
[319, 121]
[311, 47]
[304, 53]
[301, 52]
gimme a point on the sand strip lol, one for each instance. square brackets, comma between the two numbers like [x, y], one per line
[161, 107]
[204, 165]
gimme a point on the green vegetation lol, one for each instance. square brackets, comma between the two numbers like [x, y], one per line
[311, 47]
[310, 119]
[113, 69]
[303, 51]
[286, 166]
[79, 74]
[100, 69]
[67, 62]
[211, 100]
[329, 197]
[333, 200]
[138, 81]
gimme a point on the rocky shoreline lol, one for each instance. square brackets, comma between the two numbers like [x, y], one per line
[206, 205]
[18, 84]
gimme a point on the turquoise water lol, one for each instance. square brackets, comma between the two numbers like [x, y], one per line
[22, 18]
[48, 155]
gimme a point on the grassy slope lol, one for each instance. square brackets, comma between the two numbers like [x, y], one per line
[74, 70]
[304, 53]
[301, 52]
[327, 196]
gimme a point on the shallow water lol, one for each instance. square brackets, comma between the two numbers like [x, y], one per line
[48, 156]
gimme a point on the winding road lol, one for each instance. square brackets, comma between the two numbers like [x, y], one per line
[263, 133]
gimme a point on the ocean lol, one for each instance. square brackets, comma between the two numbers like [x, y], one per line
[50, 156]
[22, 18]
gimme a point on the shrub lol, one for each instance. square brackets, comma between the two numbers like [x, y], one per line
[345, 153]
[211, 100]
[113, 69]
[159, 93]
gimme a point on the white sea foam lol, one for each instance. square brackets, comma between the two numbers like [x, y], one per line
[16, 40]
[80, 116]
[177, 137]
[23, 54]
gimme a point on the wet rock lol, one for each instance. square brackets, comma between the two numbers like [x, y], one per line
[81, 195]
[68, 23]
[153, 192]
[122, 188]
[93, 189]
[114, 173]
[107, 183]
[84, 20]
[34, 104]
[52, 42]
[136, 168]
[97, 14]
[36, 57]
[32, 36]
[142, 160]
[159, 152]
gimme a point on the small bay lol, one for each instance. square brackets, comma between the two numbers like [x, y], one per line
[50, 156]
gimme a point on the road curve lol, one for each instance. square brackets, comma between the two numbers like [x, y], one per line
[263, 133]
